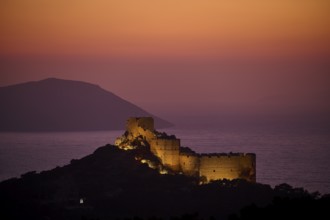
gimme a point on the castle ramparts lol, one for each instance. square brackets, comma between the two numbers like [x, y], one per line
[140, 132]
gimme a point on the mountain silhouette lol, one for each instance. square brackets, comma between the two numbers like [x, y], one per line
[64, 105]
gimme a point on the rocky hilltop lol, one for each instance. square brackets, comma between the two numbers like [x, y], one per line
[112, 184]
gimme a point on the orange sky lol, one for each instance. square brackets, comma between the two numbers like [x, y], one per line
[172, 55]
[211, 28]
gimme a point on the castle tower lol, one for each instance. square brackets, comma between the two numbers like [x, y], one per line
[168, 151]
[189, 163]
[143, 126]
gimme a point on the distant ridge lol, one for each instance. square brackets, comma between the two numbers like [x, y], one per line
[64, 105]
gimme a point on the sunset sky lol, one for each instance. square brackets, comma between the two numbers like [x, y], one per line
[172, 55]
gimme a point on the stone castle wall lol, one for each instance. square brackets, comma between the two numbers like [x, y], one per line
[189, 164]
[227, 166]
[206, 166]
[167, 150]
[140, 126]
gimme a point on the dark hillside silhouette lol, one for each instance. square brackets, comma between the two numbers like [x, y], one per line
[112, 184]
[64, 105]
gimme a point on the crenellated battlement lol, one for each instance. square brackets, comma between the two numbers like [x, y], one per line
[183, 160]
[219, 155]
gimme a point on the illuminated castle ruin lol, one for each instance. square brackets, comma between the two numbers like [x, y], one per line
[140, 133]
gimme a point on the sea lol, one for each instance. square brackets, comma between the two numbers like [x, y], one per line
[298, 157]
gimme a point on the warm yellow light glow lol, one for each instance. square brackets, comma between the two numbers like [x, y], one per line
[150, 164]
[163, 171]
[209, 167]
[126, 147]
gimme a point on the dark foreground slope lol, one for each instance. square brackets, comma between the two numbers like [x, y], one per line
[114, 185]
[64, 105]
